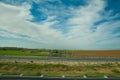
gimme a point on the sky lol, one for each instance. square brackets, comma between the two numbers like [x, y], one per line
[60, 24]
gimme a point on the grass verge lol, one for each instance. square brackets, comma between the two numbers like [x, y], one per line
[49, 69]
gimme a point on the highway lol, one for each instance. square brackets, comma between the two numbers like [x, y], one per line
[22, 77]
[17, 58]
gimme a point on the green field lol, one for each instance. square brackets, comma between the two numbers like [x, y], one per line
[50, 69]
[24, 53]
[35, 52]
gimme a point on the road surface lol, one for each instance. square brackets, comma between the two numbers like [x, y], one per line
[17, 58]
[22, 77]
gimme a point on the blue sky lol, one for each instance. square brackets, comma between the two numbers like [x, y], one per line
[60, 24]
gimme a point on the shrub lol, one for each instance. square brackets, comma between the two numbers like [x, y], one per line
[115, 71]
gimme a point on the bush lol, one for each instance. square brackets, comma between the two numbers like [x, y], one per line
[115, 71]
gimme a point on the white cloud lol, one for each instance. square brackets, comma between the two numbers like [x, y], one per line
[16, 19]
[85, 17]
[82, 23]
[13, 18]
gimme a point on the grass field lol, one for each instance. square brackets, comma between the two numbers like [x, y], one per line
[50, 69]
[24, 53]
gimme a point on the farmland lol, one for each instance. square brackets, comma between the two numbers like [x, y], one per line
[96, 53]
[60, 53]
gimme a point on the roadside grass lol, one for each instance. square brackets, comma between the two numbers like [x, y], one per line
[50, 69]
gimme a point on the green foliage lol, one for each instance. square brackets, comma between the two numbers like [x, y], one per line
[115, 71]
[60, 53]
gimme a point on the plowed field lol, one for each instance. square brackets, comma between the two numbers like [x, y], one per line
[96, 53]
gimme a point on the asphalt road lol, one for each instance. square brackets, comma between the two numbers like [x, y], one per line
[60, 59]
[21, 77]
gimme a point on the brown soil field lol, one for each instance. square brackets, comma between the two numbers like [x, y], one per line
[96, 53]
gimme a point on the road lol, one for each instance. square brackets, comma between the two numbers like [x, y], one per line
[19, 77]
[17, 58]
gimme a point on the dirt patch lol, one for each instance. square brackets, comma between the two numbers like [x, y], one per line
[104, 70]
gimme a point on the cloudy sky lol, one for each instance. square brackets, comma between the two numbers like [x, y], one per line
[60, 24]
